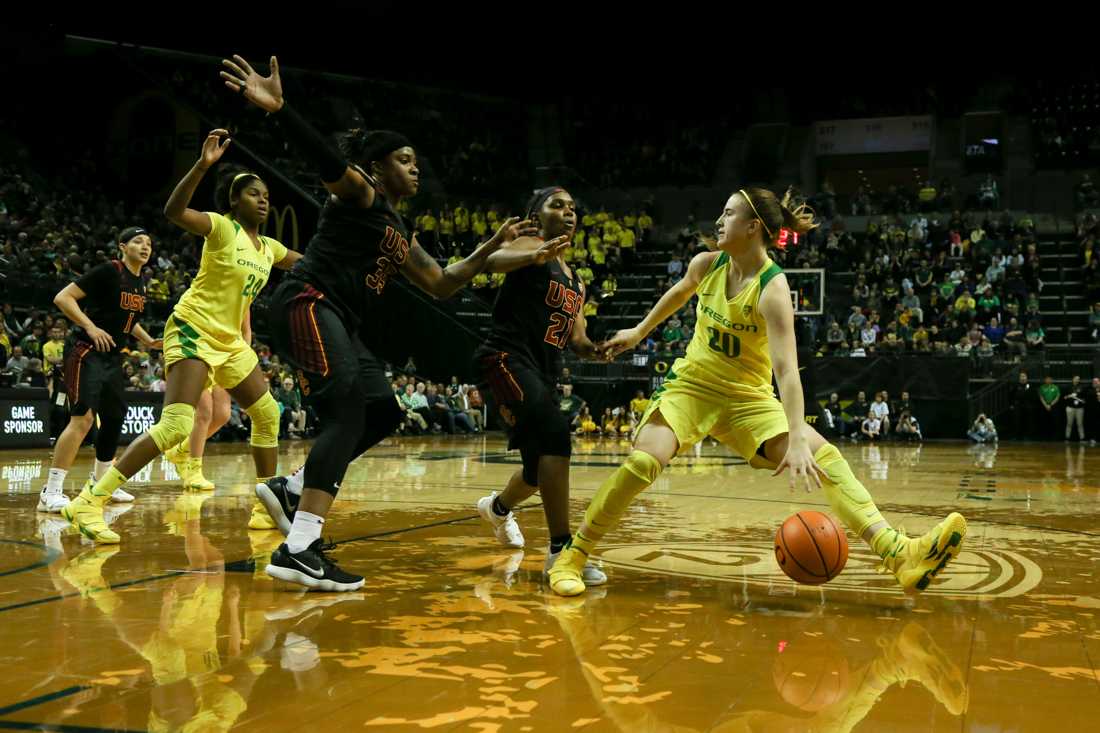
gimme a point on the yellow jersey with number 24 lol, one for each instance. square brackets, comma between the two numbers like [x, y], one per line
[232, 273]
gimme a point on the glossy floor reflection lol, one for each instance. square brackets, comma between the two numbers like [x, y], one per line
[176, 629]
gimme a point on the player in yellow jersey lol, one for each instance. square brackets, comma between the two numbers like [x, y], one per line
[203, 345]
[723, 388]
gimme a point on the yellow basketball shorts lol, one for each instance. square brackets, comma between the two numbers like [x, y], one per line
[742, 424]
[229, 363]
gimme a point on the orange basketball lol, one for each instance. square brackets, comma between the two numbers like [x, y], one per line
[810, 548]
[811, 673]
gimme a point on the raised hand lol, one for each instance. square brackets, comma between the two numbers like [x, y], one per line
[511, 230]
[266, 92]
[550, 250]
[214, 147]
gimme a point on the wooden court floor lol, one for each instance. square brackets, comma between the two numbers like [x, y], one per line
[179, 629]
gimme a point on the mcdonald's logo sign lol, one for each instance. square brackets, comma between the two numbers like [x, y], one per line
[281, 217]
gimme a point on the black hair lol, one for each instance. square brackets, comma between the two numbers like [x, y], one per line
[538, 198]
[363, 147]
[231, 180]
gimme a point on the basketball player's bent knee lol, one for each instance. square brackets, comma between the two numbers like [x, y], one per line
[174, 427]
[264, 414]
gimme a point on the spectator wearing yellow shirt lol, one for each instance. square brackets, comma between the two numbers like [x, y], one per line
[594, 236]
[579, 238]
[630, 221]
[597, 252]
[591, 315]
[478, 224]
[569, 254]
[493, 218]
[965, 306]
[627, 239]
[927, 196]
[462, 223]
[589, 220]
[645, 223]
[428, 226]
[639, 404]
[53, 353]
[157, 289]
[602, 216]
[481, 280]
[456, 256]
[609, 286]
[626, 243]
[496, 279]
[580, 253]
[446, 228]
[611, 230]
[584, 272]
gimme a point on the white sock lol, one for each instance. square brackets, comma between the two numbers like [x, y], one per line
[56, 480]
[101, 467]
[295, 481]
[304, 532]
[300, 653]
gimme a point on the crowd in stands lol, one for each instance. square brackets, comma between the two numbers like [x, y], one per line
[603, 246]
[1088, 236]
[882, 419]
[616, 421]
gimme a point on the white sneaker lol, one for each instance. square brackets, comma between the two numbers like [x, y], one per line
[505, 528]
[111, 512]
[52, 501]
[51, 529]
[591, 575]
[121, 496]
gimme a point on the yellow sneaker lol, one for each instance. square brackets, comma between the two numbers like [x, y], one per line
[186, 508]
[262, 544]
[921, 559]
[260, 519]
[914, 655]
[85, 571]
[565, 575]
[87, 517]
[195, 480]
[178, 455]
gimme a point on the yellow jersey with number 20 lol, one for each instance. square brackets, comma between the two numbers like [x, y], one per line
[729, 350]
[232, 273]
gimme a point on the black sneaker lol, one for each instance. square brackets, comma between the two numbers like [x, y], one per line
[279, 502]
[311, 568]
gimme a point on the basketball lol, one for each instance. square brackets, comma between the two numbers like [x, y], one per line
[811, 548]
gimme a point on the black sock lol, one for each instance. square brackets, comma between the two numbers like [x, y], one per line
[498, 507]
[557, 544]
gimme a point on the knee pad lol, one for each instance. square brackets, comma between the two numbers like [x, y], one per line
[637, 473]
[840, 473]
[174, 426]
[264, 414]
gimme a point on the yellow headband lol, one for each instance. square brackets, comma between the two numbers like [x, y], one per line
[769, 231]
[239, 176]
